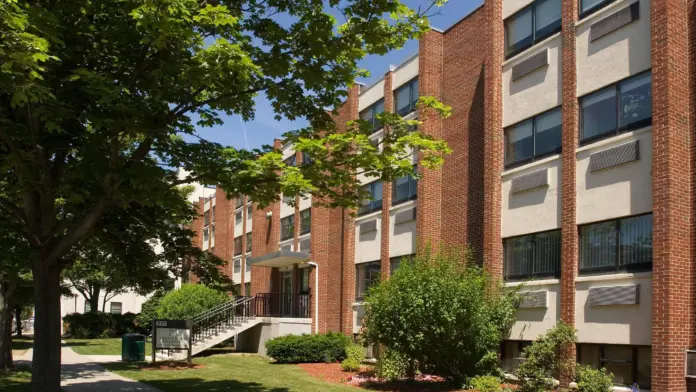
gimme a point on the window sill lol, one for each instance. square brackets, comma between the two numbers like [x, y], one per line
[616, 276]
[526, 52]
[529, 165]
[403, 205]
[305, 235]
[367, 216]
[540, 282]
[358, 303]
[614, 139]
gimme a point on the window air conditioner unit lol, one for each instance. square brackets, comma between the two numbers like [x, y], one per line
[690, 364]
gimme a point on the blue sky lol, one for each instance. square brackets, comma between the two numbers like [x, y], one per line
[264, 128]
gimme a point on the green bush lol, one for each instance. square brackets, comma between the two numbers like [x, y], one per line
[330, 347]
[354, 357]
[92, 325]
[188, 301]
[485, 384]
[393, 365]
[350, 365]
[442, 311]
[594, 380]
[542, 359]
[148, 311]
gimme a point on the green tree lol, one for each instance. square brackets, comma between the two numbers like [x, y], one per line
[543, 359]
[188, 301]
[443, 311]
[94, 95]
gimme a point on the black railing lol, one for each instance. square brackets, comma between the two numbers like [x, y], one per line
[283, 305]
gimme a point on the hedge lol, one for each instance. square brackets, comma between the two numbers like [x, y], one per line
[330, 347]
[93, 325]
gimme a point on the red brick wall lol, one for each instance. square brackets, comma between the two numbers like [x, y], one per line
[197, 228]
[465, 48]
[387, 186]
[673, 300]
[224, 229]
[244, 244]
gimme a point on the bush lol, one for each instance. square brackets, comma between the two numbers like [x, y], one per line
[393, 365]
[350, 365]
[330, 347]
[148, 311]
[485, 384]
[542, 359]
[442, 311]
[188, 301]
[94, 325]
[594, 380]
[354, 357]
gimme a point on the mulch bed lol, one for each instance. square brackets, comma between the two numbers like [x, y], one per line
[169, 365]
[366, 379]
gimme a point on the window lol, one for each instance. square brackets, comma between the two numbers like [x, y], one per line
[588, 7]
[206, 218]
[239, 201]
[404, 189]
[247, 267]
[212, 231]
[628, 364]
[370, 114]
[88, 307]
[531, 25]
[249, 211]
[406, 98]
[374, 200]
[237, 266]
[395, 262]
[534, 138]
[306, 158]
[291, 160]
[617, 245]
[247, 289]
[248, 242]
[513, 354]
[238, 217]
[532, 255]
[304, 280]
[306, 221]
[622, 107]
[288, 200]
[287, 227]
[238, 246]
[213, 214]
[116, 308]
[206, 234]
[367, 274]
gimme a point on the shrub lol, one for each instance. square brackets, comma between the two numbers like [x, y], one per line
[330, 347]
[393, 365]
[94, 325]
[542, 359]
[350, 365]
[354, 357]
[442, 311]
[485, 384]
[594, 380]
[148, 311]
[188, 301]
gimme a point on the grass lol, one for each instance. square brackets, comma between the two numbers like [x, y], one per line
[101, 346]
[15, 381]
[21, 345]
[239, 373]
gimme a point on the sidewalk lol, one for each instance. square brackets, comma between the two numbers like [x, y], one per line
[81, 373]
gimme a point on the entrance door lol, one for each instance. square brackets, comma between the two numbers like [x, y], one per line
[286, 293]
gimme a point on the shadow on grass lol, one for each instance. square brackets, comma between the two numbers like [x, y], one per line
[22, 343]
[15, 381]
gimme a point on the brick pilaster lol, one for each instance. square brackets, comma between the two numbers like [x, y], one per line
[493, 141]
[672, 313]
[387, 186]
[244, 242]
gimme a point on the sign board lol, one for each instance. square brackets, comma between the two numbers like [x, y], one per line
[172, 335]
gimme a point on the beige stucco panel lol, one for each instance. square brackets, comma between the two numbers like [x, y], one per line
[402, 237]
[536, 321]
[536, 92]
[625, 324]
[368, 245]
[618, 191]
[615, 56]
[371, 95]
[512, 6]
[533, 210]
[405, 73]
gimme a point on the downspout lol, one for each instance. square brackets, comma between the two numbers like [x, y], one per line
[343, 239]
[316, 300]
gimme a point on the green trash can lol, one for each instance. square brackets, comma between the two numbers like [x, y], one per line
[133, 347]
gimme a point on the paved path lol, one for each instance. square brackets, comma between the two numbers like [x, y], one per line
[81, 373]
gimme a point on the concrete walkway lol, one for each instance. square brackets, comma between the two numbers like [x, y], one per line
[81, 373]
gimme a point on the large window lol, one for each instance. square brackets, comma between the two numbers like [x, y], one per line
[239, 201]
[404, 189]
[206, 218]
[206, 234]
[622, 107]
[116, 308]
[238, 217]
[238, 246]
[534, 138]
[291, 160]
[617, 245]
[588, 7]
[374, 201]
[370, 115]
[249, 211]
[531, 25]
[395, 262]
[305, 221]
[628, 364]
[367, 275]
[248, 242]
[406, 98]
[513, 354]
[287, 227]
[304, 280]
[237, 266]
[532, 255]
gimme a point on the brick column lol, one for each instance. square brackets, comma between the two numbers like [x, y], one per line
[493, 141]
[429, 212]
[387, 186]
[569, 230]
[197, 228]
[224, 232]
[245, 200]
[296, 233]
[673, 301]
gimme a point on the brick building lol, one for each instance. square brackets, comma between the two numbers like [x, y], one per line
[572, 171]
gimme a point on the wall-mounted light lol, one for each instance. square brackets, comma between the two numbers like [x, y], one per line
[269, 214]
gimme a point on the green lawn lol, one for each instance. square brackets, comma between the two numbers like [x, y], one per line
[16, 381]
[101, 346]
[229, 373]
[21, 345]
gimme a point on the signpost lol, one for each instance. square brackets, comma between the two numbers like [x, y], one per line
[171, 335]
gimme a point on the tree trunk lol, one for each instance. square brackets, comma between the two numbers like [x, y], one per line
[5, 329]
[106, 296]
[47, 329]
[94, 299]
[18, 319]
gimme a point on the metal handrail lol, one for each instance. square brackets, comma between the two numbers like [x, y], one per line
[216, 320]
[214, 309]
